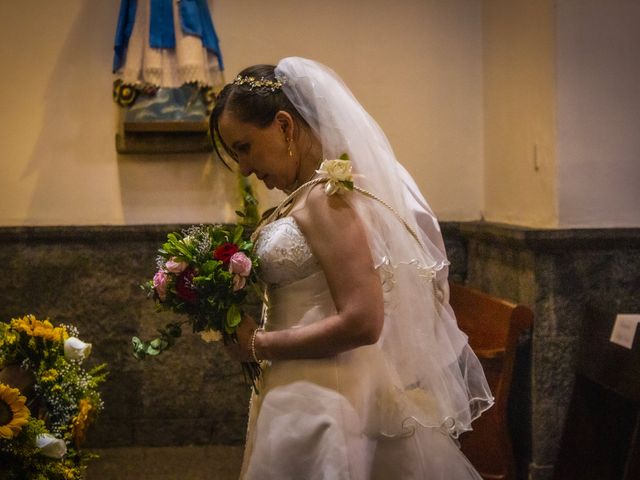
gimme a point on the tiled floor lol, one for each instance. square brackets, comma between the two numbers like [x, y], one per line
[212, 462]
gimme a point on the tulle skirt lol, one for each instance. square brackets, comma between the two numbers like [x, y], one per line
[304, 431]
[343, 417]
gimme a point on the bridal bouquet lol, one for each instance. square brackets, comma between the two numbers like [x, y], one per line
[206, 273]
[47, 400]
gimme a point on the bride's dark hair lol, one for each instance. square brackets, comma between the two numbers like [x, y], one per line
[256, 105]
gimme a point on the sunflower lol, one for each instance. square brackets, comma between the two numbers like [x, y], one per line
[39, 328]
[13, 412]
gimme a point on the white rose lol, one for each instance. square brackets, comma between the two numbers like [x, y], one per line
[337, 170]
[339, 177]
[51, 446]
[76, 349]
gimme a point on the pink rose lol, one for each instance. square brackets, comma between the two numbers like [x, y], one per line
[160, 284]
[238, 282]
[240, 264]
[175, 267]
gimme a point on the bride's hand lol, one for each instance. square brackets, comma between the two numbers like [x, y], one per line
[241, 350]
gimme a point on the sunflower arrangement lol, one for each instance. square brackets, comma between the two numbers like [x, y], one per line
[47, 400]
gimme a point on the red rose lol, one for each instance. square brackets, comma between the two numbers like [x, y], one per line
[184, 286]
[225, 251]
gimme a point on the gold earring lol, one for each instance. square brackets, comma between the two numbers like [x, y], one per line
[289, 148]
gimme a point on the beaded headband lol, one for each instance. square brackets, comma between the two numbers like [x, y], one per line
[262, 82]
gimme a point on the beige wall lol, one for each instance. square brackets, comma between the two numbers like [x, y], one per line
[415, 64]
[58, 123]
[562, 112]
[519, 111]
[599, 113]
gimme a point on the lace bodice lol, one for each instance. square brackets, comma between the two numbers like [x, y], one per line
[285, 255]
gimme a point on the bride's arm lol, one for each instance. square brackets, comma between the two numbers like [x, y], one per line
[337, 238]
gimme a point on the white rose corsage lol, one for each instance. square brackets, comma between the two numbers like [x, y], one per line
[338, 173]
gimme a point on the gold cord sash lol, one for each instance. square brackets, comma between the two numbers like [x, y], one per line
[285, 206]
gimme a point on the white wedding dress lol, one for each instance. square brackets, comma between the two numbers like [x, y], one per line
[338, 418]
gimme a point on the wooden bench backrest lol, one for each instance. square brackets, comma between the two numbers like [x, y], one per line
[494, 326]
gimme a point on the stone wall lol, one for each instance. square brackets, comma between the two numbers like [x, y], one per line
[90, 277]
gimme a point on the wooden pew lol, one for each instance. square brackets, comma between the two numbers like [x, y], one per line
[601, 438]
[493, 326]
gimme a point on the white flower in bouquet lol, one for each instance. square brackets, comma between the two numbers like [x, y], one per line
[51, 446]
[188, 240]
[76, 349]
[210, 335]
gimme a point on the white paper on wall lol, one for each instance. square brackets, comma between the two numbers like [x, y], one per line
[624, 329]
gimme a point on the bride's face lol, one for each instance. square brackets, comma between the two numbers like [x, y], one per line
[261, 151]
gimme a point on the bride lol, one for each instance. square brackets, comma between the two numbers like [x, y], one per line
[365, 372]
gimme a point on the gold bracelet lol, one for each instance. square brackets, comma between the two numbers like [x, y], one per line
[253, 344]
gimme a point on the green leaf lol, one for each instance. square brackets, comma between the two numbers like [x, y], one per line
[210, 266]
[233, 319]
[158, 343]
[237, 235]
[173, 238]
[152, 351]
[344, 156]
[167, 337]
[138, 348]
[246, 246]
[174, 329]
[176, 247]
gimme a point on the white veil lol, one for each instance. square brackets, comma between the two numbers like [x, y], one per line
[438, 380]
